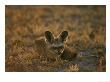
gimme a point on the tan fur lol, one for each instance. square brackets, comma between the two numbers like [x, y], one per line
[44, 51]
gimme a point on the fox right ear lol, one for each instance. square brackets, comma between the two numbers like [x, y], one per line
[63, 36]
[49, 37]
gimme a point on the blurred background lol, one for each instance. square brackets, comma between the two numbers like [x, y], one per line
[87, 33]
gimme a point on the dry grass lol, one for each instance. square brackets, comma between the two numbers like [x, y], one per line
[86, 26]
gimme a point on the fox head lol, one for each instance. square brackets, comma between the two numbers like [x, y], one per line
[56, 44]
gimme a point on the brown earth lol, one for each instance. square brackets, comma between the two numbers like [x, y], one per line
[87, 33]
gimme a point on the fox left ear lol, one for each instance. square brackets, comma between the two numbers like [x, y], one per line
[49, 37]
[63, 36]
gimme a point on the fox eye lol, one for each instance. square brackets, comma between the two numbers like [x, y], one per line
[54, 47]
[61, 47]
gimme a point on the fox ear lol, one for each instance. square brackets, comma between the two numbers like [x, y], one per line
[63, 36]
[49, 37]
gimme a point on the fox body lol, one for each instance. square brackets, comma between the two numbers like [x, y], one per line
[54, 47]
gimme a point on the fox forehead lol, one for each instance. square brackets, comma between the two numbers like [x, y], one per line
[57, 43]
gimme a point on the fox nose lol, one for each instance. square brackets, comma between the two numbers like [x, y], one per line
[60, 52]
